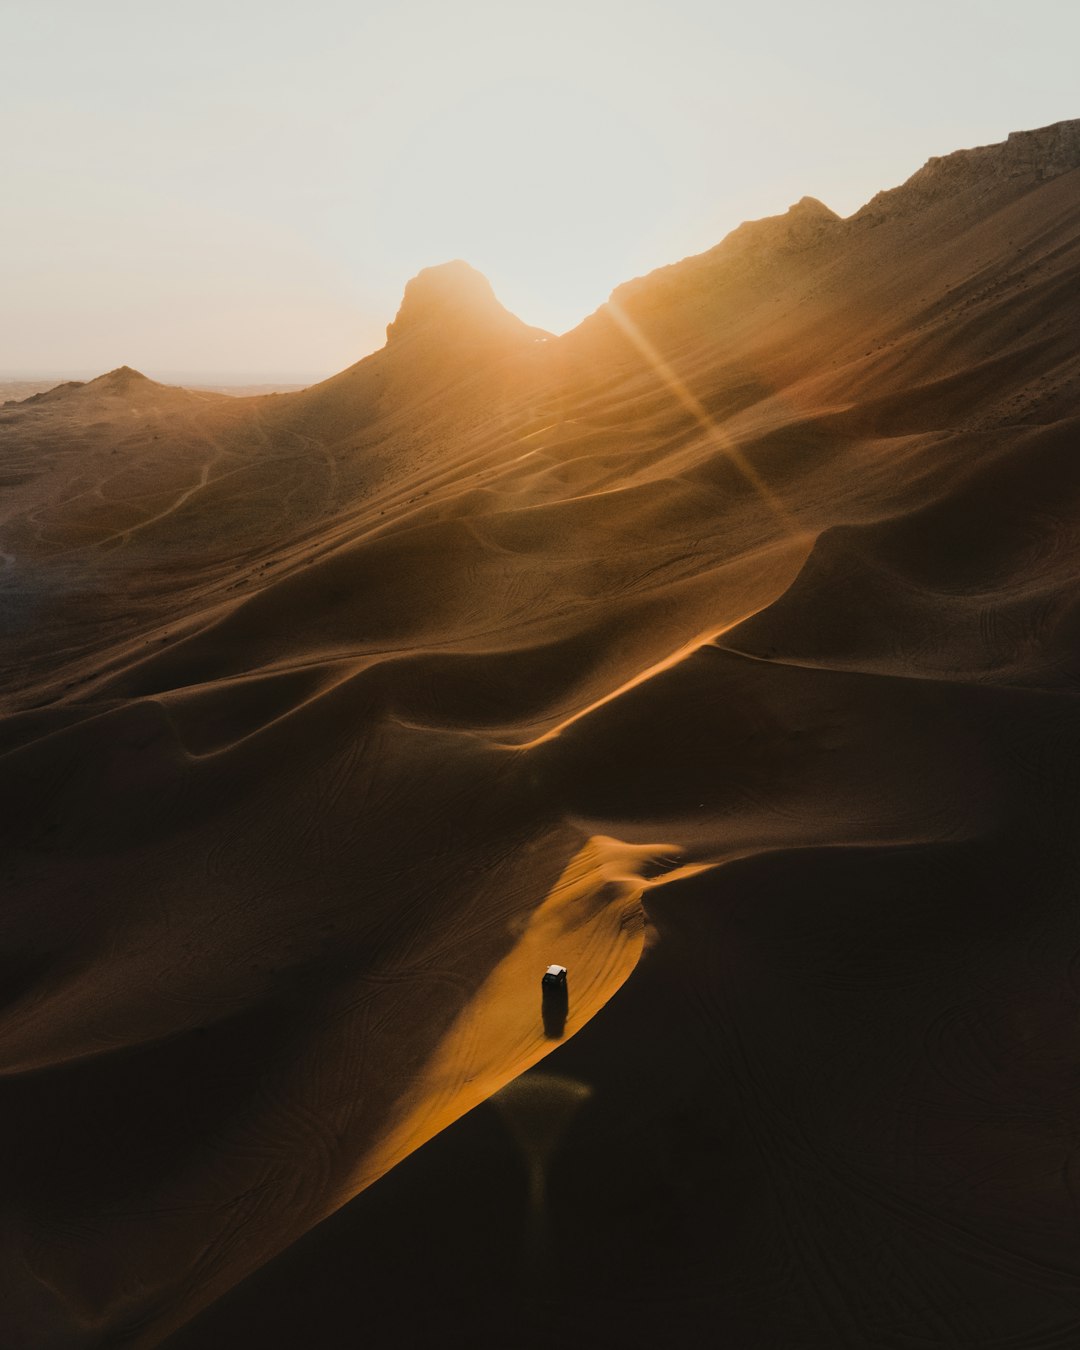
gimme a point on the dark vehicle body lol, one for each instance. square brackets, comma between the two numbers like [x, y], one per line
[554, 1001]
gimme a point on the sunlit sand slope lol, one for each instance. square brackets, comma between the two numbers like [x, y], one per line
[738, 625]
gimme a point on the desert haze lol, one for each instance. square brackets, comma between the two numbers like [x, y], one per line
[725, 650]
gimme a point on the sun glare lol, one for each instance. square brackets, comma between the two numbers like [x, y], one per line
[269, 177]
[530, 181]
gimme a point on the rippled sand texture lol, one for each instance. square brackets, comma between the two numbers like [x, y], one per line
[739, 626]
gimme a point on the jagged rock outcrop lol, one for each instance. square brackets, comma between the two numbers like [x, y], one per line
[1035, 156]
[944, 196]
[454, 300]
[802, 226]
[749, 253]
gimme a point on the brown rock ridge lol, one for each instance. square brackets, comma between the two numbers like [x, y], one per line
[453, 302]
[1024, 159]
[962, 185]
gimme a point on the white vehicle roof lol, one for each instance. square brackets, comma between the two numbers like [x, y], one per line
[556, 970]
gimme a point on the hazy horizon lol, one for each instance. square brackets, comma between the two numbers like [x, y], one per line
[240, 197]
[220, 378]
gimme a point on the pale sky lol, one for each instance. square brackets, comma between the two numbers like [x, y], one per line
[239, 189]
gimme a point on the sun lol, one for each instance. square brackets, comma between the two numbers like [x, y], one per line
[535, 183]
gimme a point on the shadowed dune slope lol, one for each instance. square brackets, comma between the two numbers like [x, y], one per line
[724, 650]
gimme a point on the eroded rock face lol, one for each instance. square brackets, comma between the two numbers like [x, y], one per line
[1047, 152]
[1043, 153]
[752, 250]
[948, 190]
[801, 226]
[454, 299]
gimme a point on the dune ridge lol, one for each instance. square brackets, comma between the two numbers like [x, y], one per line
[737, 616]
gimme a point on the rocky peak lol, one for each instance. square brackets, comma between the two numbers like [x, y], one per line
[455, 300]
[1047, 152]
[751, 250]
[801, 226]
[121, 380]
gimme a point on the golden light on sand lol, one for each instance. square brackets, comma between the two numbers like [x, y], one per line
[717, 435]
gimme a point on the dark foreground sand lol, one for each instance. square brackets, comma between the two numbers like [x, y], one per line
[726, 650]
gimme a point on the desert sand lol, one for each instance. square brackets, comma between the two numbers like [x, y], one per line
[725, 650]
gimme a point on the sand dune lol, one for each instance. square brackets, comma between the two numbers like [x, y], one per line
[724, 650]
